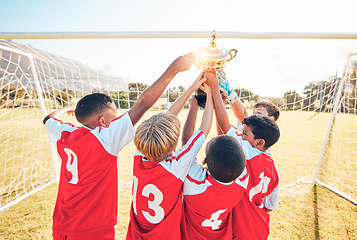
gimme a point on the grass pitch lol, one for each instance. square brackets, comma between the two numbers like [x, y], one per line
[305, 212]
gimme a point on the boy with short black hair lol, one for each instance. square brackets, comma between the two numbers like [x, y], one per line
[262, 191]
[211, 193]
[159, 171]
[260, 131]
[250, 215]
[87, 200]
[224, 169]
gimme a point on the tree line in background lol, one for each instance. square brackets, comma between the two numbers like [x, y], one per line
[317, 96]
[320, 96]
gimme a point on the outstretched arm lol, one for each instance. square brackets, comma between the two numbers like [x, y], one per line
[150, 95]
[58, 113]
[189, 127]
[220, 110]
[206, 121]
[237, 106]
[239, 110]
[178, 104]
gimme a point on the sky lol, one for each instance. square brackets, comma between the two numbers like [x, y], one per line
[265, 67]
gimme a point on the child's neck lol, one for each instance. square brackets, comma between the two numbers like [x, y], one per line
[262, 149]
[150, 159]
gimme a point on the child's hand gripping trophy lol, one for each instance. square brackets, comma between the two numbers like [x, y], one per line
[225, 88]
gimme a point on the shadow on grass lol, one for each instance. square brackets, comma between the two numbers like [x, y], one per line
[317, 230]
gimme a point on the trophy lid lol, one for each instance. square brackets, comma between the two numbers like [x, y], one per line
[212, 51]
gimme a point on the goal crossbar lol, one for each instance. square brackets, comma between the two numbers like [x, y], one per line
[177, 34]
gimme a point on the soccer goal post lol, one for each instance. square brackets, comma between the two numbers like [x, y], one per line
[22, 177]
[42, 72]
[338, 154]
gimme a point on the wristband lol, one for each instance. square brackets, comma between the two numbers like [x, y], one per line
[233, 97]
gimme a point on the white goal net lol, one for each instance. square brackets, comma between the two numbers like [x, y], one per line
[318, 123]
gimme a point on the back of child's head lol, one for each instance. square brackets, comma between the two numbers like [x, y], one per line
[271, 108]
[263, 128]
[158, 136]
[91, 104]
[225, 158]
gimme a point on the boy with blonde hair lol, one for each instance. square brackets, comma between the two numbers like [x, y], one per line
[159, 170]
[87, 199]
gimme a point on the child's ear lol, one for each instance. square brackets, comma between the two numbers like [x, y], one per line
[101, 122]
[260, 143]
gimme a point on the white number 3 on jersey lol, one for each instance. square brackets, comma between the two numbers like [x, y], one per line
[72, 165]
[154, 205]
[213, 222]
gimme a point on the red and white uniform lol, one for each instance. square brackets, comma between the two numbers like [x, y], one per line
[249, 221]
[208, 205]
[157, 192]
[88, 188]
[262, 191]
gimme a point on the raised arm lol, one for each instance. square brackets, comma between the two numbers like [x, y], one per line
[237, 106]
[190, 123]
[239, 111]
[178, 104]
[150, 95]
[220, 110]
[58, 113]
[206, 121]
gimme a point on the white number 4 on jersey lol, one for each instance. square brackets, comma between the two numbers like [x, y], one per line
[213, 222]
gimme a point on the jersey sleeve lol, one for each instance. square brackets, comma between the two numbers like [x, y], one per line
[181, 160]
[55, 128]
[193, 182]
[239, 126]
[119, 133]
[272, 200]
[243, 179]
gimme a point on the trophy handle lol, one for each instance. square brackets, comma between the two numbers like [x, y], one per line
[196, 61]
[230, 54]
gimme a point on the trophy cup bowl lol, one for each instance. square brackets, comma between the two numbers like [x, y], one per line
[212, 58]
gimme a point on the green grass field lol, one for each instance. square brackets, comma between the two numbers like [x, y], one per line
[305, 212]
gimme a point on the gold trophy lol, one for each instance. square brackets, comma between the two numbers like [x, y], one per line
[212, 57]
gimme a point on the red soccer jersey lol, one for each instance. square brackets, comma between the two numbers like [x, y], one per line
[157, 193]
[249, 221]
[88, 187]
[262, 190]
[208, 205]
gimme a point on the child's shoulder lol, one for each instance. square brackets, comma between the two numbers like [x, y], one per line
[53, 123]
[259, 155]
[120, 120]
[266, 155]
[197, 139]
[268, 160]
